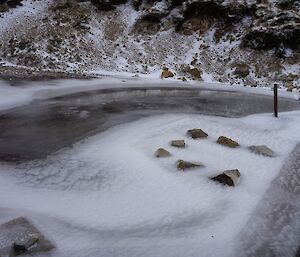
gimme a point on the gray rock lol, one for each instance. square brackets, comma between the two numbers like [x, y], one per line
[161, 152]
[197, 133]
[19, 235]
[262, 150]
[183, 165]
[228, 177]
[25, 241]
[178, 143]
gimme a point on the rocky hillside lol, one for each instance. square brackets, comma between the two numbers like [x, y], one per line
[254, 42]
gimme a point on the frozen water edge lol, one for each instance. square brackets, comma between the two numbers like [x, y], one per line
[112, 198]
[14, 94]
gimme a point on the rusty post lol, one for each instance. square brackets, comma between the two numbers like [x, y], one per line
[276, 100]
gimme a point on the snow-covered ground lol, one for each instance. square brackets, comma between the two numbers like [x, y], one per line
[109, 195]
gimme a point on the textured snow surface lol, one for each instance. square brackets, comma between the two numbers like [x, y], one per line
[109, 195]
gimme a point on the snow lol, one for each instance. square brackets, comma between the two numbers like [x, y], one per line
[112, 197]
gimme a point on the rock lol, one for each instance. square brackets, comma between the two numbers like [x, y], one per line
[227, 142]
[107, 5]
[63, 4]
[178, 143]
[166, 74]
[161, 152]
[136, 4]
[195, 72]
[19, 235]
[25, 241]
[183, 165]
[197, 133]
[4, 7]
[242, 70]
[262, 150]
[229, 177]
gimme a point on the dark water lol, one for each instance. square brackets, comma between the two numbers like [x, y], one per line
[45, 126]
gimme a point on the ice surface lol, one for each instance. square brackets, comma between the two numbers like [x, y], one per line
[14, 93]
[110, 196]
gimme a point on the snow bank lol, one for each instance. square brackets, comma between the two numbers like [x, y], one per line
[109, 196]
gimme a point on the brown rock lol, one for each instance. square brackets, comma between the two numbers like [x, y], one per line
[183, 165]
[229, 177]
[178, 143]
[161, 152]
[227, 142]
[196, 133]
[195, 72]
[166, 74]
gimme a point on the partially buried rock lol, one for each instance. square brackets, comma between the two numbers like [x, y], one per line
[178, 143]
[166, 74]
[229, 177]
[19, 236]
[195, 72]
[262, 149]
[183, 165]
[25, 241]
[161, 152]
[196, 133]
[227, 142]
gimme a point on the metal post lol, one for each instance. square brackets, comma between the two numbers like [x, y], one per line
[276, 100]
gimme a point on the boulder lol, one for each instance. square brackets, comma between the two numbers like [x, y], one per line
[161, 152]
[19, 236]
[178, 143]
[262, 150]
[183, 165]
[25, 241]
[166, 74]
[228, 177]
[196, 133]
[227, 142]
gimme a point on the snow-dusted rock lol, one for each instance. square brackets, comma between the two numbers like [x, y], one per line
[183, 165]
[25, 241]
[161, 152]
[178, 143]
[19, 235]
[262, 149]
[227, 142]
[197, 133]
[228, 177]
